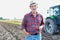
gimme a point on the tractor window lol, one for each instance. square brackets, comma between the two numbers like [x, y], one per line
[56, 11]
[50, 11]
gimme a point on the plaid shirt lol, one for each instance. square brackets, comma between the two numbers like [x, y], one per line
[31, 23]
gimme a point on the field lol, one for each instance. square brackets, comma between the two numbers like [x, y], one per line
[17, 22]
[11, 30]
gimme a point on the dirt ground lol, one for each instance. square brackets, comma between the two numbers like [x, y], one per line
[14, 32]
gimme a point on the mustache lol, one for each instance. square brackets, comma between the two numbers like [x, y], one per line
[34, 9]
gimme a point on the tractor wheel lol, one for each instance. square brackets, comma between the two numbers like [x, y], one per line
[49, 26]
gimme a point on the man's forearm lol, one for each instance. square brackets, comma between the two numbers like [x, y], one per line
[41, 28]
[26, 33]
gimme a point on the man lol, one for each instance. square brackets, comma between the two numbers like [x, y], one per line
[32, 23]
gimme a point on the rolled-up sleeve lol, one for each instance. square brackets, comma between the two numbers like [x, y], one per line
[42, 22]
[24, 22]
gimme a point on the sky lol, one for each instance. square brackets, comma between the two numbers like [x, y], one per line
[11, 9]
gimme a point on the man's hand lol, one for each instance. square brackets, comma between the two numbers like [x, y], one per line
[41, 28]
[26, 33]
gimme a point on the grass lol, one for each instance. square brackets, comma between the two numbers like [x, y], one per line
[17, 22]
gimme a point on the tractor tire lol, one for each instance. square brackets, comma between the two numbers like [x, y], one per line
[49, 26]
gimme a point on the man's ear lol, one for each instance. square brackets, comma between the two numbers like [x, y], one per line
[30, 7]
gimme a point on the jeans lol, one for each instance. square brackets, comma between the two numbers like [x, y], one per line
[34, 37]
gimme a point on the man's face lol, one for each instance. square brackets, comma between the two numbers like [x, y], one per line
[33, 8]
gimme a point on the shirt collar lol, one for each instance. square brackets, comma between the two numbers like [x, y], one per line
[32, 14]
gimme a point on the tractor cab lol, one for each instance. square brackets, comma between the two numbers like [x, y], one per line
[54, 10]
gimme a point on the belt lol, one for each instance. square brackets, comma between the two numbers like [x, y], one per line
[35, 34]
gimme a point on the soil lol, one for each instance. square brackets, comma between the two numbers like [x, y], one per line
[14, 32]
